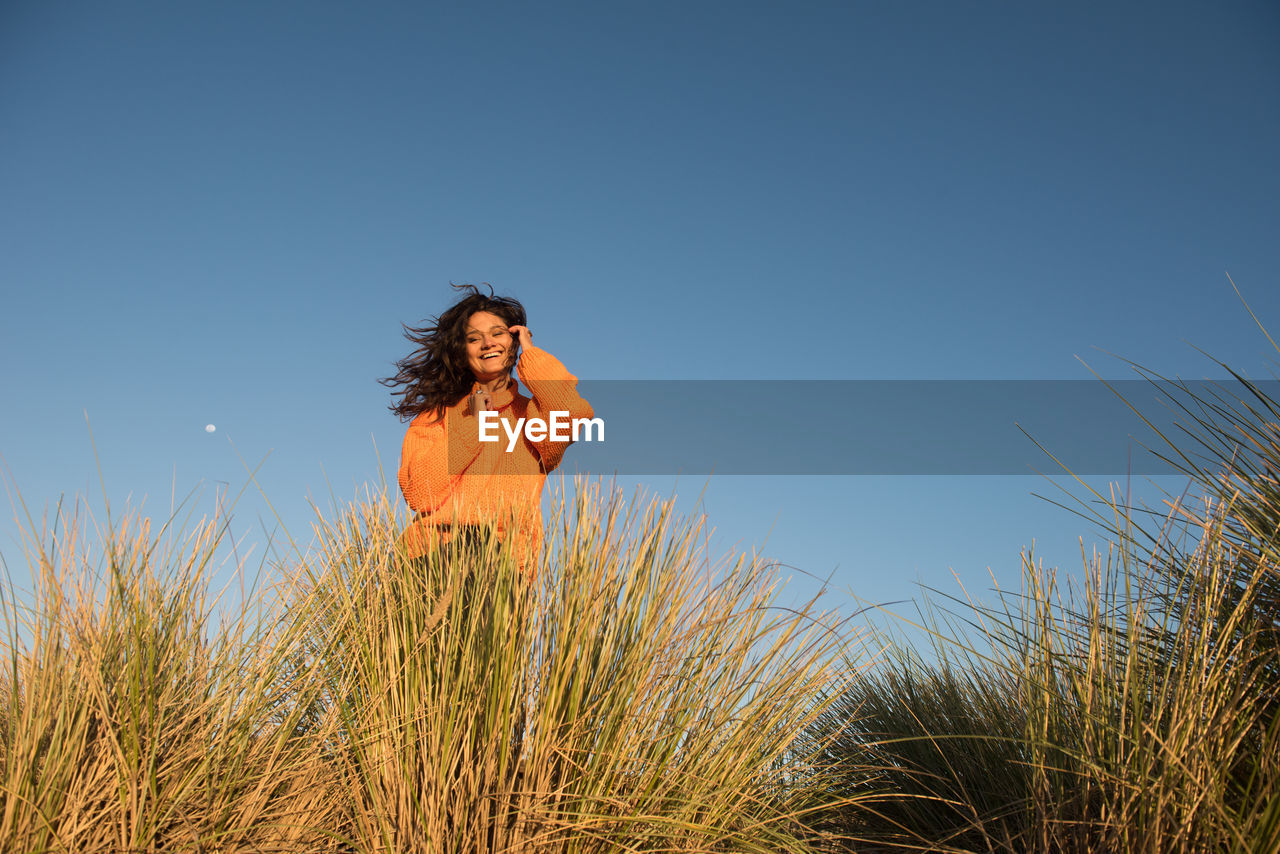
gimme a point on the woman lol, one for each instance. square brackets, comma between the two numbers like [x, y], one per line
[457, 382]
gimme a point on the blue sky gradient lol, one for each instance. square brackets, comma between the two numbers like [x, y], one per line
[222, 213]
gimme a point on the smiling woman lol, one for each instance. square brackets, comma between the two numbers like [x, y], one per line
[457, 380]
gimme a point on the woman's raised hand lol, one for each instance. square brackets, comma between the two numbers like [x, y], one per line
[523, 336]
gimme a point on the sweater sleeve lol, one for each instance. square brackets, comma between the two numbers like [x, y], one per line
[554, 390]
[434, 456]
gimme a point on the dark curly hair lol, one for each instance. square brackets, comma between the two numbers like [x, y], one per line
[436, 374]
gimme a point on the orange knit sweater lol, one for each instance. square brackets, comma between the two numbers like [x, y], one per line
[451, 478]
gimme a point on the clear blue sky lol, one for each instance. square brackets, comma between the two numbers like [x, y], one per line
[220, 213]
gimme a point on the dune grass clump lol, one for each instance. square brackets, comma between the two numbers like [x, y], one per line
[1137, 714]
[633, 696]
[1102, 725]
[624, 693]
[130, 721]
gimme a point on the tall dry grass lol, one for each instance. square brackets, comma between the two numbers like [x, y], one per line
[130, 721]
[636, 696]
[1138, 713]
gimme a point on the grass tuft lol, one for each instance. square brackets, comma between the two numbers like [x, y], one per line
[634, 695]
[1139, 714]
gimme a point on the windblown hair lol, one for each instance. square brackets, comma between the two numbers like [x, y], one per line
[436, 374]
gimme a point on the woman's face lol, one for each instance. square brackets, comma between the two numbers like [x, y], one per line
[490, 350]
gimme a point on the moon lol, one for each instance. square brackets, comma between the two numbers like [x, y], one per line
[209, 428]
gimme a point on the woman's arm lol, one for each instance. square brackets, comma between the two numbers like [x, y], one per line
[435, 454]
[554, 389]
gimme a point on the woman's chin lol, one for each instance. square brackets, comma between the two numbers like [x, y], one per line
[490, 376]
